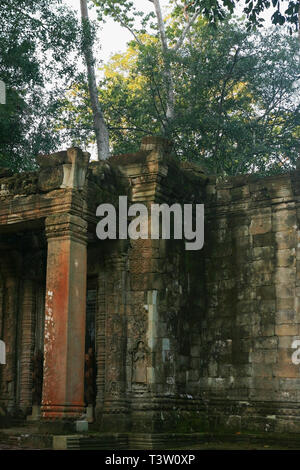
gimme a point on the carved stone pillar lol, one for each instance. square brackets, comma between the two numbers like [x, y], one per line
[9, 330]
[100, 341]
[27, 344]
[112, 403]
[1, 336]
[63, 386]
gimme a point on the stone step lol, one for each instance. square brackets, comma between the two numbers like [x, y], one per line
[104, 442]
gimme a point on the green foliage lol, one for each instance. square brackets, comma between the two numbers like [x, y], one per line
[37, 43]
[284, 12]
[237, 105]
[125, 13]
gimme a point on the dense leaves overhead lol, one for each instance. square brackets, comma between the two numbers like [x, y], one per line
[37, 42]
[237, 106]
[283, 11]
[235, 91]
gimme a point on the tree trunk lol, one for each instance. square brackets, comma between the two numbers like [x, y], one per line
[299, 23]
[169, 83]
[101, 131]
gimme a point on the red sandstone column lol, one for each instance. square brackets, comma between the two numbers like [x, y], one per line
[63, 385]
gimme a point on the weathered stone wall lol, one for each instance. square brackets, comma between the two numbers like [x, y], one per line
[184, 340]
[251, 318]
[155, 300]
[220, 323]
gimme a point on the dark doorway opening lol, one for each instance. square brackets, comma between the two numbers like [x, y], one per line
[90, 343]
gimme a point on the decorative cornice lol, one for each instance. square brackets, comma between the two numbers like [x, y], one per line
[66, 226]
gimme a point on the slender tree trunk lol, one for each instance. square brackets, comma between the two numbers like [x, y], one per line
[168, 77]
[101, 131]
[299, 23]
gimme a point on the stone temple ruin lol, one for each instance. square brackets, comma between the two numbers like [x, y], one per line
[143, 335]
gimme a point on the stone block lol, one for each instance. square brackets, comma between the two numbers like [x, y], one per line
[285, 239]
[265, 383]
[263, 252]
[224, 370]
[263, 395]
[262, 279]
[261, 223]
[287, 329]
[289, 384]
[285, 291]
[281, 187]
[286, 257]
[262, 266]
[285, 304]
[242, 370]
[285, 342]
[270, 356]
[223, 195]
[256, 357]
[282, 219]
[50, 180]
[243, 307]
[241, 231]
[262, 370]
[192, 375]
[265, 293]
[81, 426]
[264, 239]
[60, 442]
[267, 342]
[213, 369]
[241, 382]
[285, 367]
[284, 275]
[267, 329]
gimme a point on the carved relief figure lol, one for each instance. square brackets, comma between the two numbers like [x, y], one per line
[139, 364]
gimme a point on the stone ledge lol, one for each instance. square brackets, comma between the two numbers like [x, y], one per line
[150, 441]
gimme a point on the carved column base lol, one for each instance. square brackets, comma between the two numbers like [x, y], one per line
[35, 414]
[63, 412]
[113, 416]
[90, 413]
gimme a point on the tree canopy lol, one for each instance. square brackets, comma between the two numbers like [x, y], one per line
[283, 11]
[38, 39]
[227, 97]
[236, 107]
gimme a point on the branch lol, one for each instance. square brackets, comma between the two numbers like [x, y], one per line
[138, 129]
[160, 99]
[155, 106]
[130, 30]
[222, 97]
[102, 136]
[23, 13]
[161, 26]
[185, 31]
[122, 23]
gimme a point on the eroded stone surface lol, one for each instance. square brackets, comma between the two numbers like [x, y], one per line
[184, 341]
